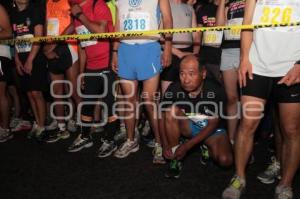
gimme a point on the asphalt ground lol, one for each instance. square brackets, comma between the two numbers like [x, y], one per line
[32, 170]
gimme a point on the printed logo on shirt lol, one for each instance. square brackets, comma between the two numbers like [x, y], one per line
[135, 3]
[209, 21]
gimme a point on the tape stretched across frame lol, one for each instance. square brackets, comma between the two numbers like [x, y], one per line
[141, 33]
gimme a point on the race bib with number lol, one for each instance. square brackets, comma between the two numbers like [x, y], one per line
[233, 34]
[24, 47]
[198, 119]
[82, 30]
[277, 11]
[53, 27]
[135, 21]
[212, 38]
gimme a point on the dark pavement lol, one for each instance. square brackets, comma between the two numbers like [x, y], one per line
[30, 170]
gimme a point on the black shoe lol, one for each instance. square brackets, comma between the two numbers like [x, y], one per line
[107, 148]
[204, 158]
[174, 169]
[80, 143]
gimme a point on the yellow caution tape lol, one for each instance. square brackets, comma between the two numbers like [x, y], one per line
[142, 33]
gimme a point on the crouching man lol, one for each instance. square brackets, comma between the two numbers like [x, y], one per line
[191, 108]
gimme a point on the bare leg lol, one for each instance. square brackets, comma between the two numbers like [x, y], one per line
[252, 114]
[40, 106]
[129, 88]
[230, 82]
[290, 159]
[150, 88]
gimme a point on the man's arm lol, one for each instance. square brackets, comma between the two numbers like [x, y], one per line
[115, 44]
[246, 41]
[167, 24]
[99, 26]
[5, 28]
[196, 35]
[221, 14]
[205, 132]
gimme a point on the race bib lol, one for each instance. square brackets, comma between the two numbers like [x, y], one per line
[82, 30]
[135, 21]
[277, 11]
[212, 38]
[53, 27]
[24, 47]
[199, 119]
[234, 34]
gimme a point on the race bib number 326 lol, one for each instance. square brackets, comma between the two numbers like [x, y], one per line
[277, 11]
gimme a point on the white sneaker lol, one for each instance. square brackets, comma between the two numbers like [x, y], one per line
[235, 189]
[32, 132]
[80, 143]
[52, 126]
[14, 122]
[71, 126]
[158, 154]
[5, 135]
[126, 148]
[20, 125]
[271, 173]
[283, 192]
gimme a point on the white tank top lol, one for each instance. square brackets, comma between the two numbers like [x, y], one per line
[5, 51]
[138, 15]
[275, 50]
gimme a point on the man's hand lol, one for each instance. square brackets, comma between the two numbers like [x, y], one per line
[75, 9]
[292, 77]
[28, 66]
[114, 62]
[166, 58]
[19, 66]
[244, 69]
[168, 154]
[181, 152]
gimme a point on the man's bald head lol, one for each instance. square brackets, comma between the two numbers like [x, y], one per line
[191, 73]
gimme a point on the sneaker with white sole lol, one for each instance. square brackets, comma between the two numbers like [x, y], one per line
[72, 126]
[235, 189]
[158, 155]
[40, 133]
[32, 132]
[80, 143]
[271, 173]
[283, 192]
[106, 149]
[14, 122]
[174, 169]
[126, 148]
[52, 126]
[5, 135]
[21, 125]
[57, 135]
